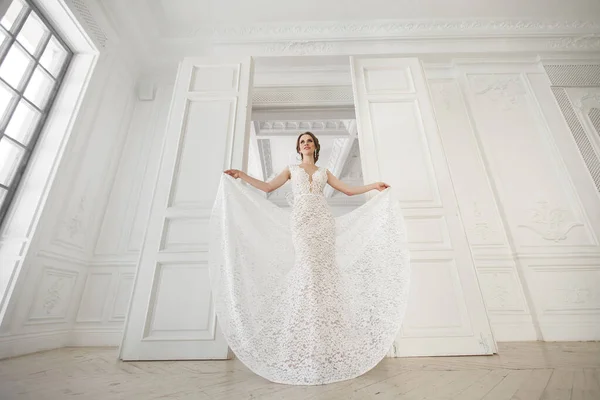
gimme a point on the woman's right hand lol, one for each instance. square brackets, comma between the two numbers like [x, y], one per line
[235, 173]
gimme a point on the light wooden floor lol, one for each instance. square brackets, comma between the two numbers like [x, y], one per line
[524, 371]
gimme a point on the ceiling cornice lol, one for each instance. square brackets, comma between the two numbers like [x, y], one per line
[95, 21]
[324, 127]
[401, 29]
[408, 37]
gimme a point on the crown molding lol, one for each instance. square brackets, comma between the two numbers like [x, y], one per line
[583, 42]
[337, 128]
[408, 37]
[422, 38]
[315, 31]
[541, 46]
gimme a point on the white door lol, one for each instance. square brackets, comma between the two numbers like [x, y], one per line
[400, 145]
[171, 314]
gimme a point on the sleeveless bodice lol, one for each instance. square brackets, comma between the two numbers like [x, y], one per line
[303, 183]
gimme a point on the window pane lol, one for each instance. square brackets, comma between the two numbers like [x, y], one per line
[15, 66]
[39, 87]
[32, 33]
[22, 123]
[12, 14]
[10, 156]
[6, 98]
[54, 57]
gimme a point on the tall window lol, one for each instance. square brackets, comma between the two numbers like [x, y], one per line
[33, 61]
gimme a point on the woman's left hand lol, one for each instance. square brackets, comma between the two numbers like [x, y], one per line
[381, 186]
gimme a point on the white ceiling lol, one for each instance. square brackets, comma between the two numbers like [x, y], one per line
[328, 10]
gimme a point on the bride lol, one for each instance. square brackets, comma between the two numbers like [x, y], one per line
[304, 298]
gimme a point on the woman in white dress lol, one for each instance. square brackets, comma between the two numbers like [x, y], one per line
[302, 297]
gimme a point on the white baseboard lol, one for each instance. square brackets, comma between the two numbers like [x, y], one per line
[551, 332]
[95, 337]
[21, 344]
[571, 332]
[514, 332]
[27, 343]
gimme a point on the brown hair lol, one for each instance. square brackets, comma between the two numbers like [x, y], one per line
[317, 145]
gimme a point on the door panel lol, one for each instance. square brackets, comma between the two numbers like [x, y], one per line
[400, 145]
[171, 313]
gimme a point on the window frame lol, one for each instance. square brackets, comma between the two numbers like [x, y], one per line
[29, 148]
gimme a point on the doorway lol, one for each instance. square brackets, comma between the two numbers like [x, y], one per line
[291, 95]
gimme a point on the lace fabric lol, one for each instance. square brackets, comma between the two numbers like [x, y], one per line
[302, 297]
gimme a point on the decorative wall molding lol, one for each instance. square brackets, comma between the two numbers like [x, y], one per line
[53, 296]
[502, 293]
[123, 292]
[568, 289]
[481, 227]
[553, 224]
[588, 99]
[91, 308]
[64, 257]
[75, 225]
[301, 33]
[584, 42]
[266, 128]
[52, 274]
[575, 295]
[302, 47]
[399, 36]
[506, 90]
[444, 89]
[376, 37]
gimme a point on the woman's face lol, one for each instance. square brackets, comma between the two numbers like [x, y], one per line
[307, 145]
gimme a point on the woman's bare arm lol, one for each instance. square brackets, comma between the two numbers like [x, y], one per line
[353, 190]
[266, 187]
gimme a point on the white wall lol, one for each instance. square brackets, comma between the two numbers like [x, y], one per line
[531, 209]
[46, 299]
[101, 313]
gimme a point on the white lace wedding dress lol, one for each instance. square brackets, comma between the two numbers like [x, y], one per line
[302, 297]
